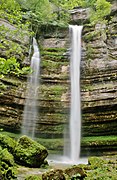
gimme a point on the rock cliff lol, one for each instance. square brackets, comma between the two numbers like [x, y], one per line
[98, 87]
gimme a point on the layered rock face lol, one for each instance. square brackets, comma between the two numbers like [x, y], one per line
[98, 84]
[98, 88]
[14, 43]
[54, 83]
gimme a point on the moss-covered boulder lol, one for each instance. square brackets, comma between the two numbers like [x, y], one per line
[7, 142]
[7, 165]
[54, 175]
[29, 153]
[75, 172]
[96, 162]
[102, 168]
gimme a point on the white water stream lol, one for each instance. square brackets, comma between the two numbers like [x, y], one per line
[30, 109]
[72, 151]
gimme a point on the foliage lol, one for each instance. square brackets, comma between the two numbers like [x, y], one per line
[37, 10]
[99, 10]
[51, 11]
[7, 142]
[11, 66]
[101, 169]
[7, 165]
[12, 34]
[58, 10]
[10, 10]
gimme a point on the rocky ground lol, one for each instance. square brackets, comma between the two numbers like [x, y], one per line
[24, 159]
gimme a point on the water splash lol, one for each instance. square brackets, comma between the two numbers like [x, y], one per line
[72, 147]
[30, 109]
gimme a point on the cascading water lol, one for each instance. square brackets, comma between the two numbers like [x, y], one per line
[75, 112]
[30, 109]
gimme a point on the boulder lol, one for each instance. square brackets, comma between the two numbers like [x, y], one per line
[7, 165]
[54, 174]
[7, 142]
[75, 172]
[29, 153]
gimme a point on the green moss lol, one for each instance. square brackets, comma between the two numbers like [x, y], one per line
[14, 81]
[54, 175]
[95, 162]
[101, 169]
[7, 157]
[51, 144]
[7, 164]
[75, 172]
[91, 52]
[29, 153]
[91, 36]
[98, 86]
[10, 134]
[52, 65]
[7, 142]
[53, 92]
[99, 140]
[56, 55]
[3, 86]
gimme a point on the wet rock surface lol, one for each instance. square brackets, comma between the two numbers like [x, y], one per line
[98, 87]
[29, 153]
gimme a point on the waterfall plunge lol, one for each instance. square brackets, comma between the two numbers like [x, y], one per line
[30, 109]
[75, 113]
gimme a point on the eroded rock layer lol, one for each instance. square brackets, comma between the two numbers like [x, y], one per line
[98, 88]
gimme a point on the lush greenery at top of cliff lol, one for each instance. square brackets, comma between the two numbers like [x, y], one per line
[26, 16]
[51, 11]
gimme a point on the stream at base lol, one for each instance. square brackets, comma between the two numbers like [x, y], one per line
[54, 161]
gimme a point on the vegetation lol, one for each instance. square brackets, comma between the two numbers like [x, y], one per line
[25, 151]
[57, 11]
[8, 169]
[39, 12]
[26, 15]
[100, 168]
[13, 34]
[11, 66]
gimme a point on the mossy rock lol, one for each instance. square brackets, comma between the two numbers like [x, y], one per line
[8, 169]
[100, 168]
[54, 175]
[29, 153]
[95, 162]
[75, 172]
[7, 142]
[7, 157]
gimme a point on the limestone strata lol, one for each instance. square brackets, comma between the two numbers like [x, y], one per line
[98, 85]
[11, 103]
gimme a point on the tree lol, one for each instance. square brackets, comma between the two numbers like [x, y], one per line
[39, 9]
[10, 10]
[98, 8]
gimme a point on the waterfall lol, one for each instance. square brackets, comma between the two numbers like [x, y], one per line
[30, 109]
[75, 112]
